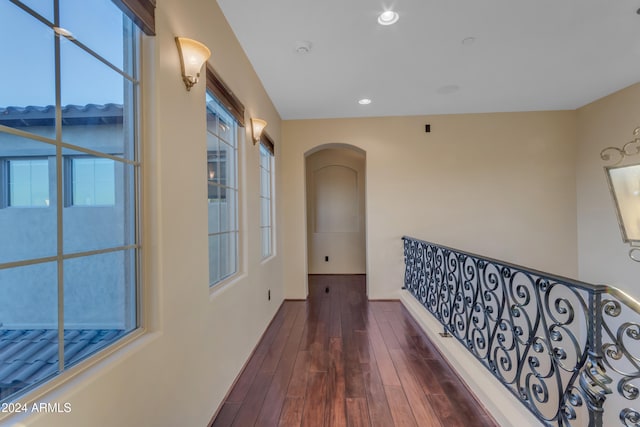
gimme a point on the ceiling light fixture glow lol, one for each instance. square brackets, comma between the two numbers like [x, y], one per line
[63, 32]
[364, 101]
[388, 17]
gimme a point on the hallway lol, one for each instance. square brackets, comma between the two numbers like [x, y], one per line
[338, 359]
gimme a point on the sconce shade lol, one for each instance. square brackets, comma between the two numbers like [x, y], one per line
[624, 183]
[193, 55]
[257, 126]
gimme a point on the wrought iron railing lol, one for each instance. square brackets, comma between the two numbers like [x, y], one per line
[568, 350]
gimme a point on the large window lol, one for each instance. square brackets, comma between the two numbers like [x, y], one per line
[222, 190]
[68, 272]
[266, 200]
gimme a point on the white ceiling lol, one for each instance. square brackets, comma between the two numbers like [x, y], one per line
[527, 55]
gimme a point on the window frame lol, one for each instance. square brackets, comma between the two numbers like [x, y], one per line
[68, 366]
[232, 164]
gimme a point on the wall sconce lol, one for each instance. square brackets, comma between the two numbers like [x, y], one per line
[193, 55]
[624, 184]
[257, 126]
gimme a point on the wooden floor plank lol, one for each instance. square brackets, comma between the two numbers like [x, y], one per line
[379, 412]
[298, 383]
[271, 407]
[291, 415]
[399, 406]
[361, 341]
[385, 365]
[420, 405]
[357, 414]
[274, 353]
[335, 411]
[340, 360]
[226, 415]
[354, 383]
[315, 400]
[247, 414]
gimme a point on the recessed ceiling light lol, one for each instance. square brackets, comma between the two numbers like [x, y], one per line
[448, 89]
[364, 101]
[388, 17]
[303, 47]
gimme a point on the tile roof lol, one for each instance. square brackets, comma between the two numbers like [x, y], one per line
[90, 114]
[29, 356]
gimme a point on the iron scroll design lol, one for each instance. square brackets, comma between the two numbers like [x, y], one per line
[569, 351]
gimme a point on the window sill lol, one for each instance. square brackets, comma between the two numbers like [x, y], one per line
[267, 259]
[221, 287]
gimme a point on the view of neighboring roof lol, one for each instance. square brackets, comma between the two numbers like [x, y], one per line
[90, 114]
[29, 356]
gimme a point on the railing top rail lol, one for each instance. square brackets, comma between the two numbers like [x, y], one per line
[582, 285]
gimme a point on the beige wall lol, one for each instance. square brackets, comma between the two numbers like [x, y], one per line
[179, 373]
[603, 259]
[498, 184]
[501, 185]
[336, 211]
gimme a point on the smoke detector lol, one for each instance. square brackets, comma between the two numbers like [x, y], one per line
[303, 47]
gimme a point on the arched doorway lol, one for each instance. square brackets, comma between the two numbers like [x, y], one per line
[336, 210]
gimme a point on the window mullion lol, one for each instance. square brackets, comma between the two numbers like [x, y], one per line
[59, 205]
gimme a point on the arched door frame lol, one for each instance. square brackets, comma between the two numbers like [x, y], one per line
[314, 150]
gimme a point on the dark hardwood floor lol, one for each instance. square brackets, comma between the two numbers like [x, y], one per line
[340, 360]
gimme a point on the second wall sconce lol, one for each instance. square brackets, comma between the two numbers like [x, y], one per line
[193, 55]
[257, 126]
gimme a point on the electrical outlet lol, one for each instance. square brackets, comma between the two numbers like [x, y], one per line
[326, 258]
[269, 295]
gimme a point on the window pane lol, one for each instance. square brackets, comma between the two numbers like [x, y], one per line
[26, 233]
[212, 115]
[264, 183]
[99, 302]
[100, 216]
[214, 259]
[228, 208]
[228, 165]
[93, 182]
[266, 242]
[227, 254]
[214, 169]
[214, 209]
[28, 328]
[43, 7]
[265, 213]
[93, 22]
[265, 201]
[94, 114]
[21, 108]
[29, 183]
[227, 128]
